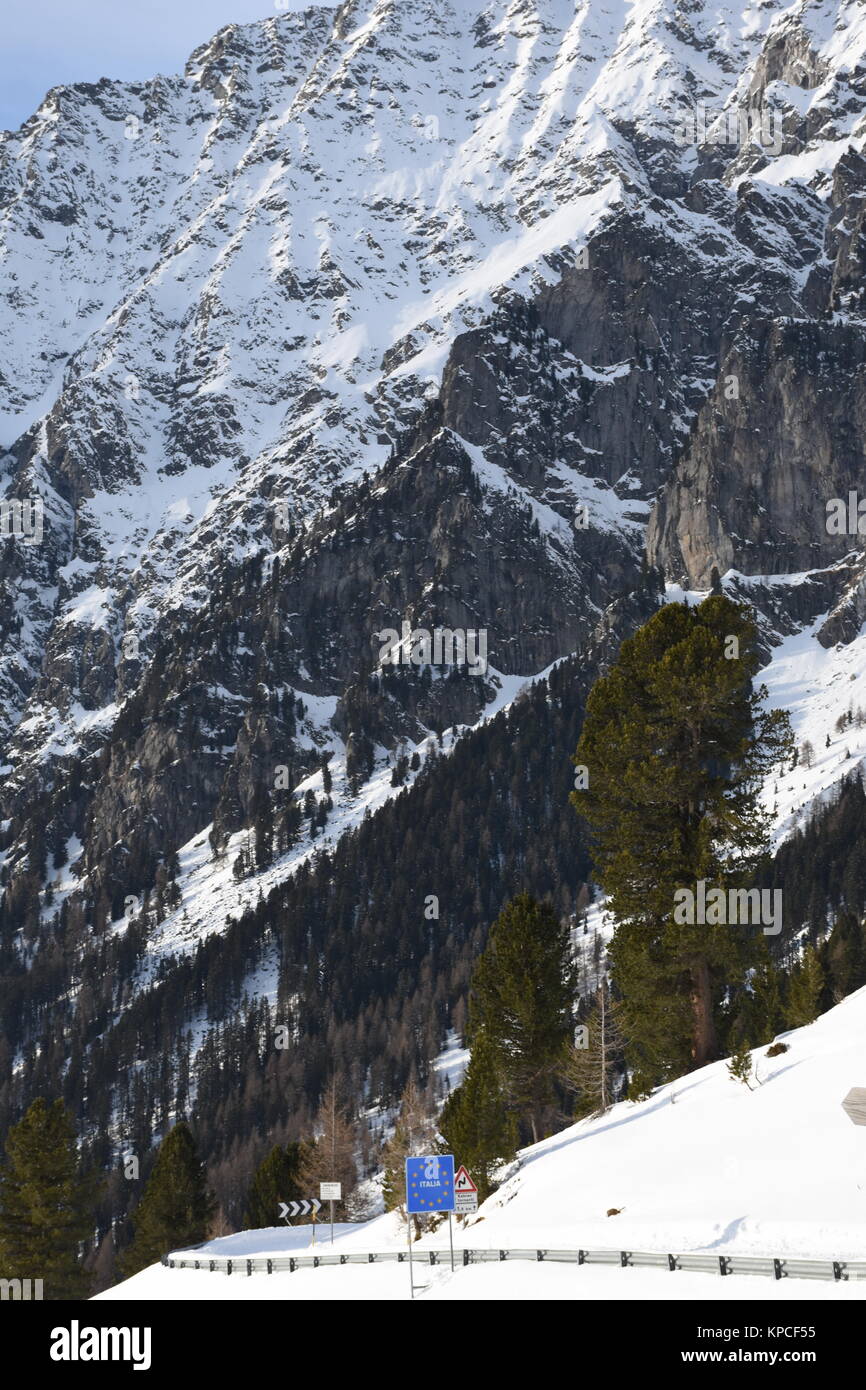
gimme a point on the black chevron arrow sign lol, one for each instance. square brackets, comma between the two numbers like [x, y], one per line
[293, 1209]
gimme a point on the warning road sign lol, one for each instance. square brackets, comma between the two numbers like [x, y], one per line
[463, 1182]
[465, 1192]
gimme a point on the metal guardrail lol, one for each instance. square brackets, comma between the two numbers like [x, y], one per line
[696, 1262]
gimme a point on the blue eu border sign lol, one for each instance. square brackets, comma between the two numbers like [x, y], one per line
[430, 1183]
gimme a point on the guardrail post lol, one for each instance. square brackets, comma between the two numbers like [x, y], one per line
[672, 1263]
[343, 1259]
[724, 1264]
[432, 1257]
[465, 1257]
[503, 1255]
[212, 1266]
[371, 1259]
[229, 1267]
[624, 1256]
[315, 1262]
[249, 1267]
[539, 1255]
[292, 1265]
[837, 1270]
[777, 1268]
[581, 1257]
[270, 1266]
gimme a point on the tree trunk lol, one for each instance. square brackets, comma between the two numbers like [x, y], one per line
[704, 1043]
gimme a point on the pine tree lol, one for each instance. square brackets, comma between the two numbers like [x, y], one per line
[522, 992]
[475, 1123]
[846, 956]
[332, 1156]
[590, 1070]
[740, 1063]
[768, 1010]
[678, 746]
[47, 1207]
[176, 1207]
[276, 1180]
[414, 1133]
[807, 982]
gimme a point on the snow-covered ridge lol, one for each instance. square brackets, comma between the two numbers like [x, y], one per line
[241, 285]
[232, 284]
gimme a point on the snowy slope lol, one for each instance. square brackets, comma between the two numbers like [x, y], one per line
[702, 1165]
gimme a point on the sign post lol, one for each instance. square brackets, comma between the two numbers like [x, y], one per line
[331, 1192]
[465, 1199]
[429, 1188]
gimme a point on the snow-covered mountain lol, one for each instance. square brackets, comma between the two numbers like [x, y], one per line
[396, 312]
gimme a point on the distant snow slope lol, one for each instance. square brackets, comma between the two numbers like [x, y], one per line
[703, 1164]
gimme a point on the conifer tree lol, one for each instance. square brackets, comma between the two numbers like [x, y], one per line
[47, 1207]
[521, 998]
[176, 1208]
[414, 1133]
[846, 956]
[807, 982]
[276, 1180]
[590, 1070]
[475, 1122]
[768, 1011]
[332, 1155]
[677, 746]
[740, 1063]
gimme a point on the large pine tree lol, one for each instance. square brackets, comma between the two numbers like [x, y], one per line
[176, 1208]
[522, 998]
[46, 1204]
[677, 747]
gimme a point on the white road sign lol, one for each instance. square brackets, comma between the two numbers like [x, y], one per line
[465, 1192]
[331, 1191]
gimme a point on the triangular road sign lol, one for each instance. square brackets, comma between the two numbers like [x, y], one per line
[463, 1182]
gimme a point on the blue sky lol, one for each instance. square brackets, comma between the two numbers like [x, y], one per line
[47, 42]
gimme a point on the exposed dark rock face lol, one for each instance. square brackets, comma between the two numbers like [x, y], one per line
[751, 489]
